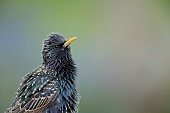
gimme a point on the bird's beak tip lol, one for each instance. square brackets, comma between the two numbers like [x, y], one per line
[69, 41]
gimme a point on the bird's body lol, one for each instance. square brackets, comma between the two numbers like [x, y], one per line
[51, 87]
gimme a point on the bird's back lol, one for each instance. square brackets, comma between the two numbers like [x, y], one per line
[41, 93]
[36, 92]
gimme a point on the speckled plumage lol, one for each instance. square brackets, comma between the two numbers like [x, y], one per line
[51, 87]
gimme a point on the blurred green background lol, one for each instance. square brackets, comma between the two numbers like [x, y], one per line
[122, 51]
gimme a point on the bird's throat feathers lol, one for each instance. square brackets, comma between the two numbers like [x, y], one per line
[62, 65]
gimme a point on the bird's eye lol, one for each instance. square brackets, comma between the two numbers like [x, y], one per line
[56, 46]
[59, 45]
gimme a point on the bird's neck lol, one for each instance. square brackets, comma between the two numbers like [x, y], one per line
[66, 74]
[63, 69]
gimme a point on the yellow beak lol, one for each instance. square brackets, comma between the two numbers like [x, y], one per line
[69, 41]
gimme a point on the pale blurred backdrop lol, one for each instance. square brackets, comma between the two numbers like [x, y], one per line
[122, 51]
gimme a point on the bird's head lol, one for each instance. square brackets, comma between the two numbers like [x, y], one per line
[56, 50]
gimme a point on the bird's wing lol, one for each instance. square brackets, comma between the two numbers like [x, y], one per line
[35, 93]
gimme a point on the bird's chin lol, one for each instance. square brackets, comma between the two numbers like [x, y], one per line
[62, 49]
[67, 48]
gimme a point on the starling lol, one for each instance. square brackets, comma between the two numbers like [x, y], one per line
[51, 87]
